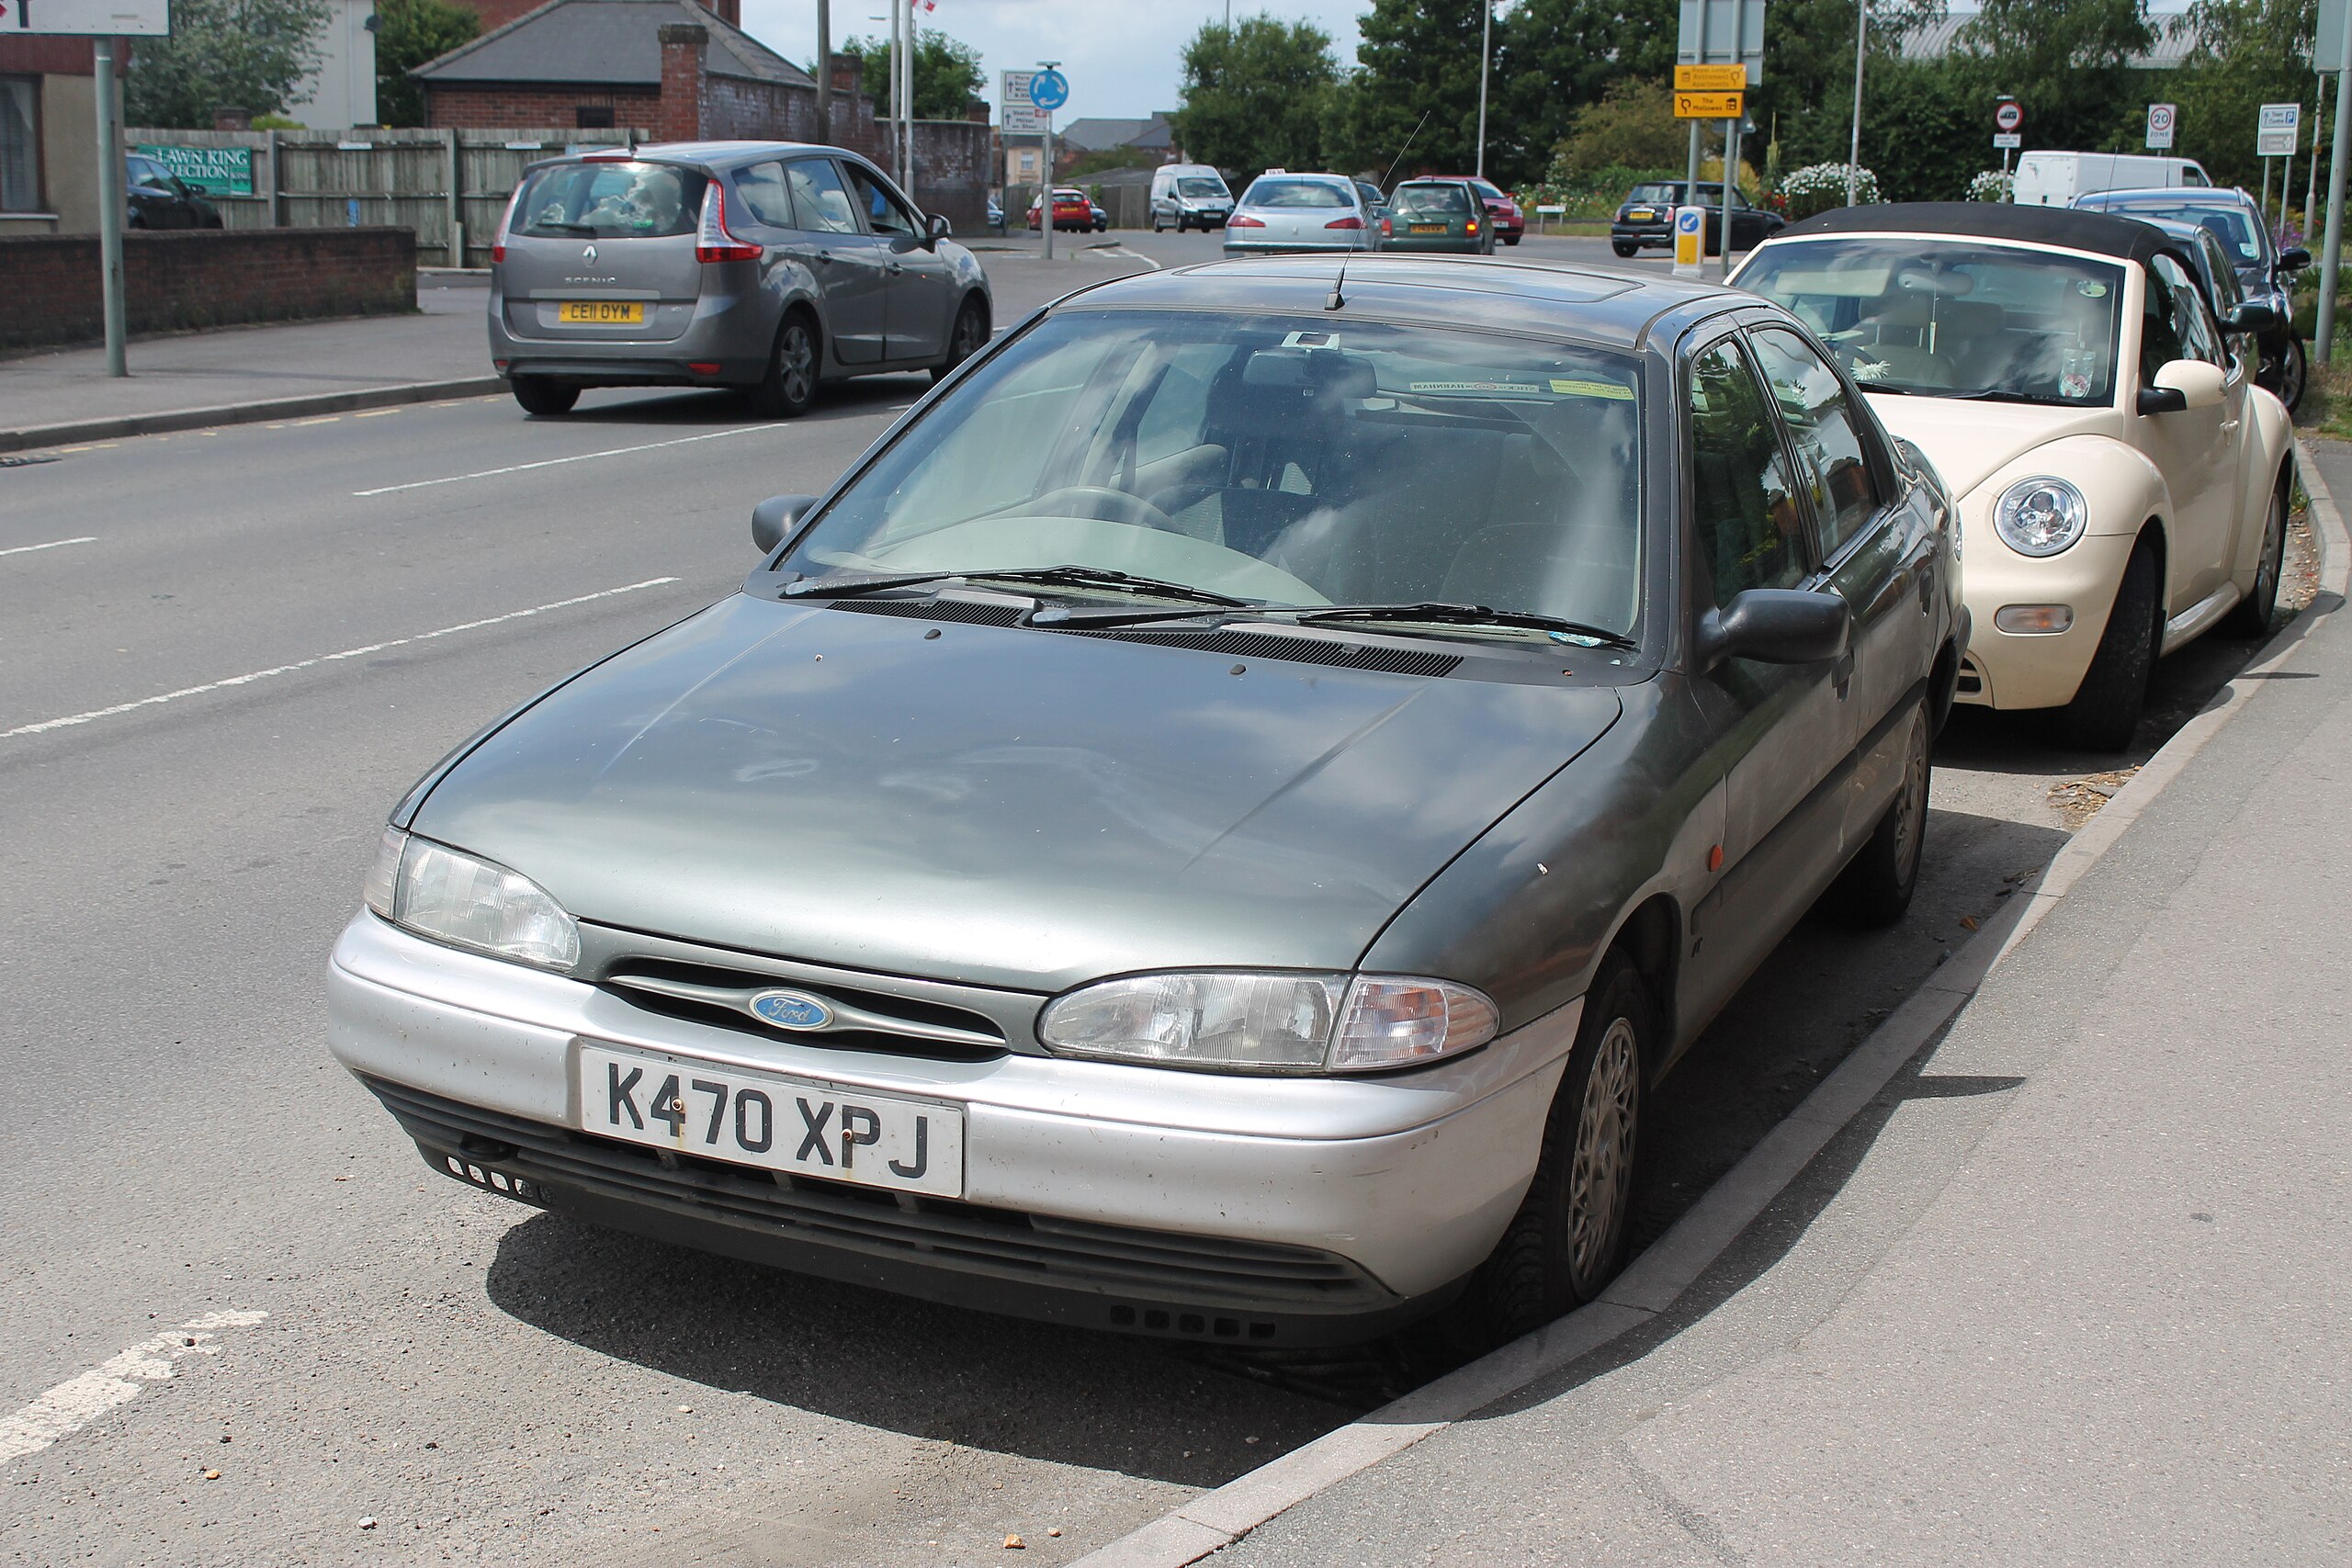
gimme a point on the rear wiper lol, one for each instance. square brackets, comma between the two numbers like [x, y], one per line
[1464, 614]
[851, 586]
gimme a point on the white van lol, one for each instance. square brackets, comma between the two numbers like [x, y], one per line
[2056, 179]
[1190, 195]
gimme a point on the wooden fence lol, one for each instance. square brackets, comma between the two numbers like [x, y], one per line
[450, 186]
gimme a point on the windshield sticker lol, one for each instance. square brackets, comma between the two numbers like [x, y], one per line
[1486, 388]
[2090, 290]
[1312, 340]
[1610, 389]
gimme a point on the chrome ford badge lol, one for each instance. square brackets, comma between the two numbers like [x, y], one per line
[796, 1010]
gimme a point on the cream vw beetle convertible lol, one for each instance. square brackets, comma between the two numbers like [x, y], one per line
[2123, 484]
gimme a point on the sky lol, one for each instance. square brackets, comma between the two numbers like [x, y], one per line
[1121, 60]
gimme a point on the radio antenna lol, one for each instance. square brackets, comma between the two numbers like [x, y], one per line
[1340, 283]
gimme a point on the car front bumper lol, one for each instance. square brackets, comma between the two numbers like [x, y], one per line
[1129, 1198]
[2038, 670]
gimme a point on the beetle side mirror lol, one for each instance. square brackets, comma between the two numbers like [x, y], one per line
[774, 518]
[2250, 316]
[2294, 260]
[1775, 626]
[2181, 385]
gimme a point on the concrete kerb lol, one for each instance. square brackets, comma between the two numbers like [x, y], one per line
[1654, 1280]
[32, 437]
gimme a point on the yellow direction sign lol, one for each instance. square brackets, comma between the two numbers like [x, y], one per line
[1708, 105]
[1711, 78]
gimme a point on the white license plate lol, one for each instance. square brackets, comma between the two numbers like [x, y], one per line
[801, 1125]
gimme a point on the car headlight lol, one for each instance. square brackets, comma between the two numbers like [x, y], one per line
[2040, 516]
[1270, 1021]
[450, 896]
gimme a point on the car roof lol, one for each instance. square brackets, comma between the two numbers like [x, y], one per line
[715, 151]
[1302, 174]
[2166, 195]
[2067, 228]
[1613, 310]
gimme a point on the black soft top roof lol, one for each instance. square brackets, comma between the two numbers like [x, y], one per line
[2103, 234]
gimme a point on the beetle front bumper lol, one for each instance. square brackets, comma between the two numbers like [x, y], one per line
[2038, 670]
[1130, 1198]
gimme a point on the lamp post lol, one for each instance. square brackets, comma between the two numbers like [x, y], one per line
[1485, 53]
[1854, 146]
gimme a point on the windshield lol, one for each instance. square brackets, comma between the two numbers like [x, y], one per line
[609, 201]
[1655, 193]
[1489, 189]
[1200, 187]
[1295, 193]
[1953, 320]
[1432, 200]
[2235, 226]
[1285, 462]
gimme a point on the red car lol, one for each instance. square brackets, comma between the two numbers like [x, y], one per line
[1510, 221]
[1072, 211]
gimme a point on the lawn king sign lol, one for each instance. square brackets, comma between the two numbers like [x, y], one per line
[87, 19]
[207, 171]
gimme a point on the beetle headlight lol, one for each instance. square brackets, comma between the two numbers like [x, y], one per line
[2040, 516]
[1270, 1021]
[451, 897]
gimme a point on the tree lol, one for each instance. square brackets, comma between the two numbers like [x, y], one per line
[1416, 68]
[1633, 127]
[1256, 94]
[2066, 62]
[1556, 59]
[2248, 53]
[408, 34]
[947, 73]
[249, 54]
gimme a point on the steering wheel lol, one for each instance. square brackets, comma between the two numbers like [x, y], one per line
[1121, 506]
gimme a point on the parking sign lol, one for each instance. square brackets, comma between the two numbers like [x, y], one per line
[2277, 131]
[2160, 124]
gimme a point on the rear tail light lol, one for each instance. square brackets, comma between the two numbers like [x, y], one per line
[505, 222]
[712, 241]
[1345, 223]
[703, 366]
[1387, 228]
[1474, 225]
[1242, 220]
[620, 157]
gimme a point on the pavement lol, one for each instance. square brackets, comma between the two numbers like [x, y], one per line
[2074, 1287]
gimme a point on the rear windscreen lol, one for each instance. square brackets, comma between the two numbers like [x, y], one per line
[610, 201]
[1432, 201]
[1655, 194]
[1295, 193]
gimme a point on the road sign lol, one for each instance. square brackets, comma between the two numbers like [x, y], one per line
[2008, 140]
[2009, 116]
[1016, 114]
[1049, 90]
[87, 19]
[2160, 123]
[1723, 32]
[2328, 51]
[1709, 106]
[2277, 130]
[1689, 239]
[1710, 78]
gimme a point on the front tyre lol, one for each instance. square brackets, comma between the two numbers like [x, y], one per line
[1568, 1238]
[2293, 373]
[789, 388]
[2259, 610]
[1875, 888]
[2106, 709]
[966, 338]
[544, 395]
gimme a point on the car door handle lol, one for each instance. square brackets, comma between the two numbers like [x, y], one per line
[826, 256]
[2228, 425]
[896, 269]
[1841, 674]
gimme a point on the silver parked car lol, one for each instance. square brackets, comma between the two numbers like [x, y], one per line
[1283, 212]
[771, 266]
[1214, 828]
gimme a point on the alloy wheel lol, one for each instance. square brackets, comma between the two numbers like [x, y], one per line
[1911, 801]
[2274, 550]
[1600, 1177]
[797, 364]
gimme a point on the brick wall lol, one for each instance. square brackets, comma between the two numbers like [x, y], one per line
[681, 114]
[496, 107]
[953, 172]
[203, 278]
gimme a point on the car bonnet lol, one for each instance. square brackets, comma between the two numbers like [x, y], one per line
[1969, 441]
[998, 806]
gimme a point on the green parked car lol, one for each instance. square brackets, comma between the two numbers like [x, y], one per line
[1438, 214]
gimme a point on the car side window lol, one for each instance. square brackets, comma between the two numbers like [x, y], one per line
[884, 214]
[2194, 327]
[2227, 293]
[1830, 456]
[1750, 529]
[150, 176]
[2160, 342]
[820, 203]
[765, 194]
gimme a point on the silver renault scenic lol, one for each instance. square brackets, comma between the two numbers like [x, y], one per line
[767, 265]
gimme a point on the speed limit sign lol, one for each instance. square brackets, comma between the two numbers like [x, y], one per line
[2008, 117]
[2160, 124]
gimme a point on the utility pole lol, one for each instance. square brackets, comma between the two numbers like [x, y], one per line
[2332, 255]
[1046, 193]
[907, 123]
[109, 202]
[1854, 146]
[1485, 53]
[825, 72]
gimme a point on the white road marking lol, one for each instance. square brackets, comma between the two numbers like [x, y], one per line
[76, 1402]
[52, 544]
[70, 720]
[552, 462]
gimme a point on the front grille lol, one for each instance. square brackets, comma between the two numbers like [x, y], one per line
[904, 1026]
[1149, 1268]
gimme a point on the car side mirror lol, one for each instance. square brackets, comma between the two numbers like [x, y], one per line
[2250, 316]
[774, 517]
[2294, 260]
[2181, 384]
[1775, 626]
[936, 227]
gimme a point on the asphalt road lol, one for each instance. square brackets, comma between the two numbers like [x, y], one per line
[235, 651]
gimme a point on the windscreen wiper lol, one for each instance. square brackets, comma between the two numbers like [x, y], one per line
[1462, 614]
[849, 586]
[1882, 387]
